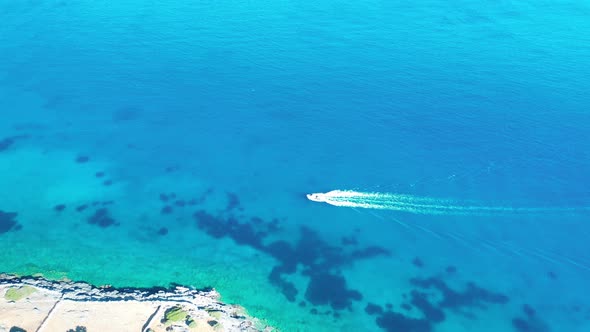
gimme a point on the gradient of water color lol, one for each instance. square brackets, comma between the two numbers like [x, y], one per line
[181, 138]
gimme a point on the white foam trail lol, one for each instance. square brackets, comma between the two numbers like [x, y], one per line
[423, 205]
[426, 205]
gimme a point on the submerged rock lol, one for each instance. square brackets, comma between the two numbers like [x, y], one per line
[8, 221]
[82, 159]
[6, 143]
[102, 218]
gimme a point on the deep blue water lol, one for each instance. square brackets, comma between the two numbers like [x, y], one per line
[482, 101]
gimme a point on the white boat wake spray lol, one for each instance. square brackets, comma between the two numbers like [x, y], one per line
[433, 206]
[423, 205]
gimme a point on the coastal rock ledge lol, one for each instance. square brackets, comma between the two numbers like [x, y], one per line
[35, 304]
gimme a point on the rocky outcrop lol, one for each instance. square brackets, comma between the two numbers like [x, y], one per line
[63, 305]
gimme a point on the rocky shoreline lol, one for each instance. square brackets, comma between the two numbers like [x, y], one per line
[37, 304]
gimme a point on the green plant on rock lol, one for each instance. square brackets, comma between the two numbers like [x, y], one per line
[214, 313]
[174, 314]
[17, 293]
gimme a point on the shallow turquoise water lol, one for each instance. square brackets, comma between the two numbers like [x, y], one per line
[240, 108]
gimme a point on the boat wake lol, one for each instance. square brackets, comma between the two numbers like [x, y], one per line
[424, 205]
[434, 206]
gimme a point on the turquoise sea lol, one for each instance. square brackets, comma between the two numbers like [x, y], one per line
[146, 143]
